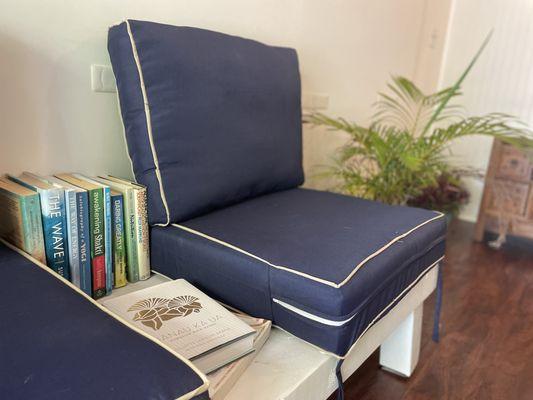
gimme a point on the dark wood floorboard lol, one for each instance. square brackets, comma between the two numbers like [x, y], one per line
[486, 348]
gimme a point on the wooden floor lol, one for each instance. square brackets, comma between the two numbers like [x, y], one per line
[486, 349]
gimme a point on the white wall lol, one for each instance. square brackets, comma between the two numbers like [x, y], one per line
[51, 121]
[501, 81]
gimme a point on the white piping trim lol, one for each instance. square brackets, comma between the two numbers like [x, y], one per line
[124, 134]
[372, 323]
[186, 396]
[313, 317]
[325, 282]
[148, 121]
[332, 322]
[416, 281]
[293, 271]
[440, 215]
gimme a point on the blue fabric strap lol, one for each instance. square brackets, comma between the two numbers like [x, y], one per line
[340, 390]
[438, 306]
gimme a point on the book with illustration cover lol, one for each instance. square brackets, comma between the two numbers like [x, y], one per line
[141, 225]
[54, 220]
[97, 233]
[118, 245]
[20, 218]
[188, 321]
[132, 267]
[77, 200]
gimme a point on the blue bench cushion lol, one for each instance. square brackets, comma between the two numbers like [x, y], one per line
[210, 119]
[321, 265]
[56, 343]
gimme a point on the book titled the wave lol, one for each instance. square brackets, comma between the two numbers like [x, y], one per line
[52, 198]
[77, 209]
[188, 321]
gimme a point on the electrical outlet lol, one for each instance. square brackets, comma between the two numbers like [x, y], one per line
[315, 101]
[102, 79]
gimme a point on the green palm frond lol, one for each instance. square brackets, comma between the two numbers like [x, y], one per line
[402, 151]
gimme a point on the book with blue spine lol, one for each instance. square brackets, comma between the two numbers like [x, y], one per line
[132, 268]
[108, 236]
[96, 240]
[119, 248]
[141, 225]
[54, 220]
[71, 211]
[79, 217]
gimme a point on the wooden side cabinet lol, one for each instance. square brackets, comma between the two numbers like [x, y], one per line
[507, 204]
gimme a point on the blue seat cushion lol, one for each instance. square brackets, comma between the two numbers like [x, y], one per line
[210, 119]
[58, 344]
[321, 265]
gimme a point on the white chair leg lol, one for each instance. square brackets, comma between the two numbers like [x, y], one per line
[399, 352]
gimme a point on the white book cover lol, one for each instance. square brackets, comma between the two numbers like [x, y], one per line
[222, 381]
[182, 317]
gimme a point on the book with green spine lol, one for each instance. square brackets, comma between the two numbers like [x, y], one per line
[97, 233]
[132, 267]
[20, 218]
[118, 246]
[141, 226]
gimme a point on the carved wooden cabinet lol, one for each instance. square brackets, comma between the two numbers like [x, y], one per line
[507, 205]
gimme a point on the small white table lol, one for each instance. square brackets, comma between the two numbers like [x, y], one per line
[289, 368]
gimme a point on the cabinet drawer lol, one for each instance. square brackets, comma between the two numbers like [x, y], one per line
[514, 164]
[509, 197]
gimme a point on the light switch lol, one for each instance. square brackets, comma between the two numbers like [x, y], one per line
[102, 79]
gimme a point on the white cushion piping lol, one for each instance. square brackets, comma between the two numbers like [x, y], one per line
[148, 122]
[308, 276]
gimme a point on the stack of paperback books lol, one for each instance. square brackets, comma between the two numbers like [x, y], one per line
[92, 231]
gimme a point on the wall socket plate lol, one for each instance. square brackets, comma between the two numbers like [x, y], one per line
[103, 79]
[315, 101]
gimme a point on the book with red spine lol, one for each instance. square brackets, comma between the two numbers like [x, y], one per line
[97, 232]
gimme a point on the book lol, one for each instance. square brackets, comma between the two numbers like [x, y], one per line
[71, 212]
[188, 321]
[77, 200]
[132, 267]
[108, 235]
[141, 225]
[118, 245]
[222, 380]
[54, 220]
[20, 218]
[96, 228]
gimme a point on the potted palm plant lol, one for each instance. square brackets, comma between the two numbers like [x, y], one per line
[400, 157]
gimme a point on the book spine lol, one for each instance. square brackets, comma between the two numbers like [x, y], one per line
[131, 237]
[35, 227]
[11, 220]
[119, 251]
[73, 237]
[84, 242]
[96, 223]
[25, 226]
[54, 227]
[108, 238]
[143, 240]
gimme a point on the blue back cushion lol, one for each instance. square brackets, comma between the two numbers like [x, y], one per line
[210, 119]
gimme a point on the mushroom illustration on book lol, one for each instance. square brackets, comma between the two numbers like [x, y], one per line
[154, 311]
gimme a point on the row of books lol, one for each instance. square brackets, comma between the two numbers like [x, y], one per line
[90, 230]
